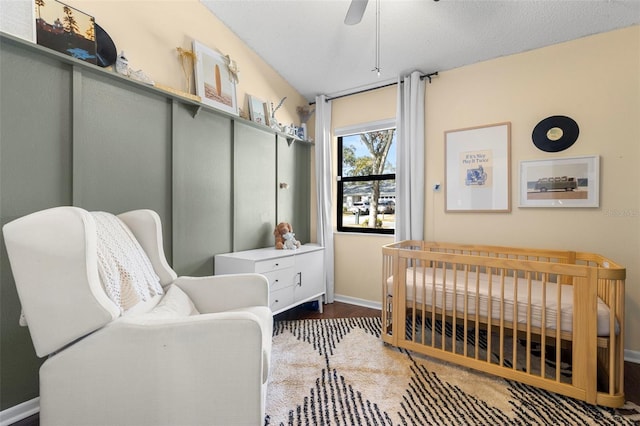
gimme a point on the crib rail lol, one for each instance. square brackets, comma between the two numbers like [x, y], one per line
[523, 314]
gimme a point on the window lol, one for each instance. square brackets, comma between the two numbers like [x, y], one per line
[367, 179]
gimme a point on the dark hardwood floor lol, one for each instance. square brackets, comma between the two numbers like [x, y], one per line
[345, 310]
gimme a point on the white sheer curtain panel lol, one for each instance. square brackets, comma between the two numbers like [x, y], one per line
[324, 189]
[410, 158]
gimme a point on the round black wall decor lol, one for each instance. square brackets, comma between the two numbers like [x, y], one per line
[105, 48]
[555, 133]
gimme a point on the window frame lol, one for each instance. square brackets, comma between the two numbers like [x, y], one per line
[351, 131]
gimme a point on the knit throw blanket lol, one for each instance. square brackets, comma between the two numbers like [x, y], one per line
[124, 268]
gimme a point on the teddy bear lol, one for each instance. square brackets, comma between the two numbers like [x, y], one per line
[285, 238]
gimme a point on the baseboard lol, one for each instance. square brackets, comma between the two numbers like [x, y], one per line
[18, 412]
[632, 356]
[356, 301]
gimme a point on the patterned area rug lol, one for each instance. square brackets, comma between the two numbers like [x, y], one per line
[338, 372]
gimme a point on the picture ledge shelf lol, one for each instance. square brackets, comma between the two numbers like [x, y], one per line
[164, 91]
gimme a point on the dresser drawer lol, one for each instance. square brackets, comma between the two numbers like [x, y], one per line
[280, 278]
[274, 264]
[280, 299]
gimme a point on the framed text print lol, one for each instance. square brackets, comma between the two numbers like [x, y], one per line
[477, 169]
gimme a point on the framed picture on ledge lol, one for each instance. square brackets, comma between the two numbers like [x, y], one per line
[214, 83]
[257, 110]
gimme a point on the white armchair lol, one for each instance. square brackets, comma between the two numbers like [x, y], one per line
[196, 354]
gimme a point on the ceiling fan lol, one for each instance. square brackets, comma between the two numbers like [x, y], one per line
[355, 12]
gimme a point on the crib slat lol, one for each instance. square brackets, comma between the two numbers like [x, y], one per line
[455, 307]
[528, 322]
[433, 305]
[502, 321]
[466, 307]
[489, 315]
[477, 333]
[443, 317]
[558, 330]
[612, 337]
[514, 327]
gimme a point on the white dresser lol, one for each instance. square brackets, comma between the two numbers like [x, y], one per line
[295, 276]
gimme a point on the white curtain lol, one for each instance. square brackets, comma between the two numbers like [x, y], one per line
[410, 158]
[323, 189]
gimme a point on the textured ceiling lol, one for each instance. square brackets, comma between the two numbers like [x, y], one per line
[307, 42]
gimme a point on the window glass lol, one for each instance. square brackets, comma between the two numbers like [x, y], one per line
[367, 185]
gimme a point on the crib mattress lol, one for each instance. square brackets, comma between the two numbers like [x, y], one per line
[420, 289]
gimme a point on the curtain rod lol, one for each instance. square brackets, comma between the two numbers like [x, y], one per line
[422, 77]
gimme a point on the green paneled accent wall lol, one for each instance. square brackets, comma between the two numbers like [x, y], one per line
[254, 189]
[122, 149]
[294, 187]
[76, 134]
[35, 173]
[202, 201]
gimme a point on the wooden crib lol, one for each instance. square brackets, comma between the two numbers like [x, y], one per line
[548, 318]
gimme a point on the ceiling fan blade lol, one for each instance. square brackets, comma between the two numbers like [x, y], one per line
[355, 12]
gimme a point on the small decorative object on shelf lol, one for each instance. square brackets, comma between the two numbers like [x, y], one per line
[243, 113]
[232, 67]
[304, 113]
[122, 67]
[274, 122]
[187, 60]
[122, 64]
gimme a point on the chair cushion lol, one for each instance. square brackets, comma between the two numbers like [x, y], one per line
[125, 270]
[174, 304]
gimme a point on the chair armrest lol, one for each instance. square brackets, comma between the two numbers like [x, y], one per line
[219, 293]
[166, 366]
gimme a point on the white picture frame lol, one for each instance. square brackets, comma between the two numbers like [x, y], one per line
[478, 169]
[214, 83]
[560, 182]
[257, 110]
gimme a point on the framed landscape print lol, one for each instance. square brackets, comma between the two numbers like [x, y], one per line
[214, 83]
[477, 169]
[560, 182]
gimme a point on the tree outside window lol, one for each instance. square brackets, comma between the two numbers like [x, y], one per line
[366, 184]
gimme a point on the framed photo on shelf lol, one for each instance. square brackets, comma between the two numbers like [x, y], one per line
[477, 169]
[560, 182]
[257, 111]
[67, 30]
[214, 83]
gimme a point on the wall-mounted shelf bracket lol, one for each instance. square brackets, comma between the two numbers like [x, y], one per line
[195, 110]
